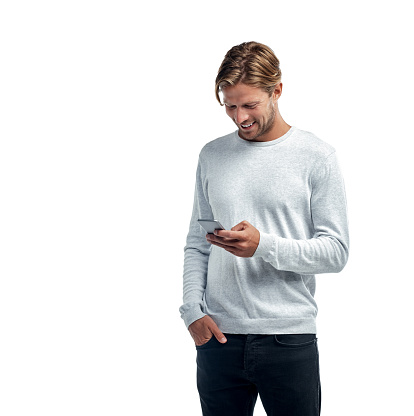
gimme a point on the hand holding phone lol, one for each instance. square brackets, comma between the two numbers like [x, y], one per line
[242, 240]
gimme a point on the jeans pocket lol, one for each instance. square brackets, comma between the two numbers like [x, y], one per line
[295, 340]
[208, 343]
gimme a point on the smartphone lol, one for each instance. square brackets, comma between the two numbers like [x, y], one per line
[210, 225]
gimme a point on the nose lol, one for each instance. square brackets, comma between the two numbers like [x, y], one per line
[241, 115]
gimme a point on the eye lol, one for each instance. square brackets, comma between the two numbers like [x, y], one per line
[250, 106]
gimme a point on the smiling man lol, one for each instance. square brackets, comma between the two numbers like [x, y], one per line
[249, 290]
[254, 112]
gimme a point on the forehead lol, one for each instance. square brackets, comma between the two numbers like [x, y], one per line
[242, 93]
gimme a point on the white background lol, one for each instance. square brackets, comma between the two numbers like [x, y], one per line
[104, 109]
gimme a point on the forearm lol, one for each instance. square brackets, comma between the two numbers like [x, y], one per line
[321, 254]
[194, 282]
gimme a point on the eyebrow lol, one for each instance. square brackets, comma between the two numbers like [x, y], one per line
[249, 103]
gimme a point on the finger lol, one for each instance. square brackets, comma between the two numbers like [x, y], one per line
[201, 340]
[234, 235]
[226, 244]
[220, 239]
[217, 333]
[211, 237]
[231, 249]
[241, 226]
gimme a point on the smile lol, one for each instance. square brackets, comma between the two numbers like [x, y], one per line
[247, 126]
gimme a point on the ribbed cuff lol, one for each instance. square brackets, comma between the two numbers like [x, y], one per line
[265, 247]
[192, 314]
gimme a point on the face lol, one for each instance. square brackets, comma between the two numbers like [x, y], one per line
[252, 110]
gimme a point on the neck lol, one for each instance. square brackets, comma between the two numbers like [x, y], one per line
[278, 129]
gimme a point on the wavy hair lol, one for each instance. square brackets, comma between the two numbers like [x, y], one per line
[251, 63]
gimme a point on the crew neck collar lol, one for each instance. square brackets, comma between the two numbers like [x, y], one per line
[264, 144]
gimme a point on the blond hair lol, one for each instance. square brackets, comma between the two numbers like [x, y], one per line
[251, 63]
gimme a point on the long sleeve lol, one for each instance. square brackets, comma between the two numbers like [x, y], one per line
[291, 190]
[196, 256]
[327, 250]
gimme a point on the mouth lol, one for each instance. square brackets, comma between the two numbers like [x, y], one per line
[247, 126]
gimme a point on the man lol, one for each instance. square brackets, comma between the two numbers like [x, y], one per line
[249, 290]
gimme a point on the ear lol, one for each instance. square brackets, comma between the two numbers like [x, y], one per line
[277, 92]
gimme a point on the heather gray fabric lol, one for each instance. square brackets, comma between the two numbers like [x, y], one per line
[292, 191]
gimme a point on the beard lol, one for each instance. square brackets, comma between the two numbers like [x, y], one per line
[262, 129]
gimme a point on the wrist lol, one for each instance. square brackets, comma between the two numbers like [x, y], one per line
[265, 245]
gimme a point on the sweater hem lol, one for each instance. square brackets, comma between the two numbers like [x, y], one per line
[265, 326]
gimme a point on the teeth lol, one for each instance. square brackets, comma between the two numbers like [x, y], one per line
[247, 125]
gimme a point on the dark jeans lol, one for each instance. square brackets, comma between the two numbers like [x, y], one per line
[283, 369]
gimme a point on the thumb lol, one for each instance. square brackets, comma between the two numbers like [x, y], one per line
[218, 334]
[240, 226]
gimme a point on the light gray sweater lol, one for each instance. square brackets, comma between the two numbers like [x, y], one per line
[292, 191]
